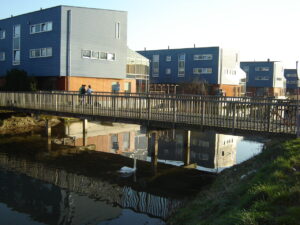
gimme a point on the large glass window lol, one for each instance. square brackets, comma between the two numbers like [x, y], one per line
[41, 27]
[181, 65]
[16, 44]
[155, 65]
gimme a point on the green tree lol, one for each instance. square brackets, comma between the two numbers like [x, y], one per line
[18, 80]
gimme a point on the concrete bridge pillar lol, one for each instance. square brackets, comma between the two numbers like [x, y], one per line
[187, 147]
[84, 131]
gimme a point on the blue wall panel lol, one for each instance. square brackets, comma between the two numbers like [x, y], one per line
[253, 75]
[48, 66]
[190, 63]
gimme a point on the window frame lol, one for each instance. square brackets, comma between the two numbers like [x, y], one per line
[200, 57]
[46, 25]
[40, 53]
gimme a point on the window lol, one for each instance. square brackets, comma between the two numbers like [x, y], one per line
[168, 71]
[181, 65]
[111, 56]
[16, 57]
[89, 54]
[41, 27]
[103, 55]
[168, 58]
[155, 65]
[262, 68]
[292, 82]
[202, 70]
[17, 31]
[203, 57]
[2, 56]
[16, 44]
[117, 34]
[291, 75]
[262, 78]
[86, 53]
[2, 34]
[95, 55]
[40, 52]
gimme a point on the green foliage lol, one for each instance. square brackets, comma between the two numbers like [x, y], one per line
[18, 80]
[270, 196]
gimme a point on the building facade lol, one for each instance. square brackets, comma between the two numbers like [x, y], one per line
[66, 46]
[214, 66]
[264, 78]
[292, 78]
[138, 68]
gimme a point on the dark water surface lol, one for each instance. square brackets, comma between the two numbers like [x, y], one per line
[56, 182]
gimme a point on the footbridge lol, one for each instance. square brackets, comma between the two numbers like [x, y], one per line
[273, 116]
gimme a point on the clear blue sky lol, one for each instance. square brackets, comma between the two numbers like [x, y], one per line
[258, 29]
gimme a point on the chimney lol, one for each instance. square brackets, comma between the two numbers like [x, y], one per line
[145, 49]
[268, 60]
[168, 46]
[194, 45]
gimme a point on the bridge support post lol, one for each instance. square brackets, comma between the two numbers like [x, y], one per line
[49, 144]
[234, 117]
[154, 156]
[48, 128]
[187, 147]
[84, 131]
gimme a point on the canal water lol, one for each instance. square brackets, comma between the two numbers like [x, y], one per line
[58, 181]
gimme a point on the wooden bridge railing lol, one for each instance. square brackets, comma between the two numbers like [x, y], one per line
[253, 114]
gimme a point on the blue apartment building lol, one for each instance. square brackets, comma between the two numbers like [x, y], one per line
[217, 67]
[65, 46]
[264, 78]
[292, 78]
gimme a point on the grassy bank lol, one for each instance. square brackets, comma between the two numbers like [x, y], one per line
[264, 190]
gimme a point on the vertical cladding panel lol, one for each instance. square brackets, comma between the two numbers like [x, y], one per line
[47, 66]
[94, 29]
[190, 64]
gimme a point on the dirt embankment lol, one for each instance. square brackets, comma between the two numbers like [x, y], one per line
[19, 125]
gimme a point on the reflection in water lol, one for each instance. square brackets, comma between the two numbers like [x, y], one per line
[57, 201]
[179, 147]
[58, 185]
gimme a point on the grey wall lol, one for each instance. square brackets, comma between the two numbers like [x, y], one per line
[93, 29]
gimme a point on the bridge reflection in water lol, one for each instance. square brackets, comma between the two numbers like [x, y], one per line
[52, 186]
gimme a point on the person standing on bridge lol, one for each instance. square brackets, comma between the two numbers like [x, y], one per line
[82, 92]
[89, 93]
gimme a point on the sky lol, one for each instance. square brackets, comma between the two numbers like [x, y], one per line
[257, 29]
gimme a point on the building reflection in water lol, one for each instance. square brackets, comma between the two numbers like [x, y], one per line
[109, 137]
[207, 149]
